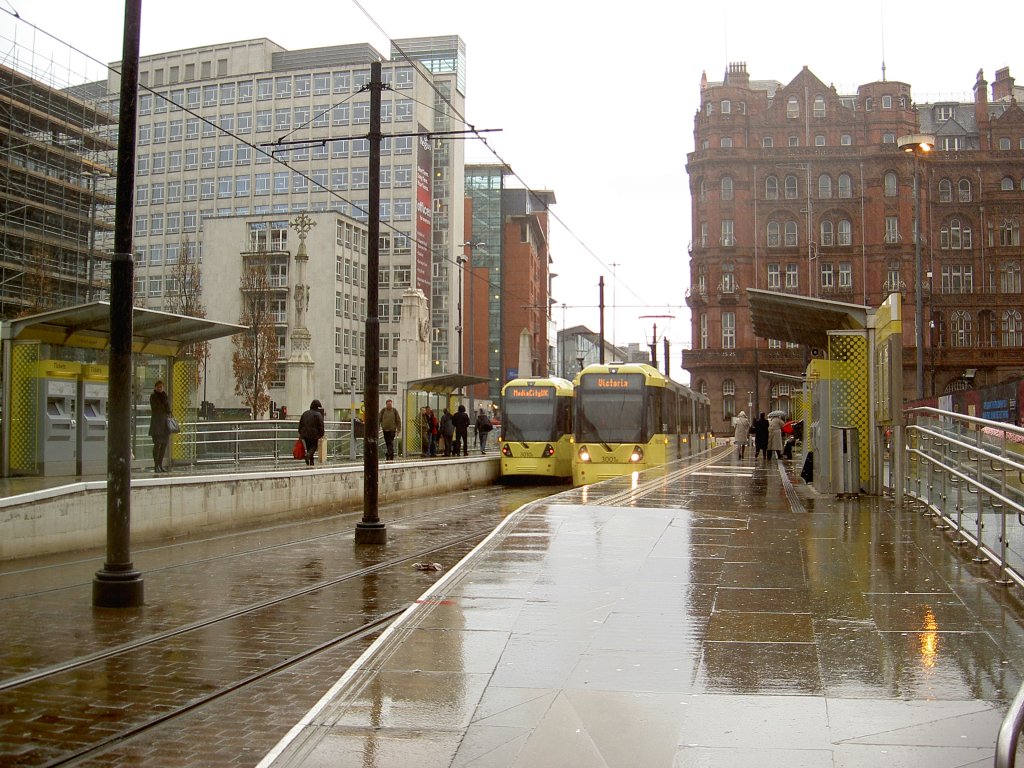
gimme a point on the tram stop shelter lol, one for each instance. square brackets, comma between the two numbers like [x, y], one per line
[56, 383]
[438, 392]
[852, 385]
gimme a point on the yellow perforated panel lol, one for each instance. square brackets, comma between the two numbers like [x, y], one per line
[24, 408]
[184, 384]
[848, 355]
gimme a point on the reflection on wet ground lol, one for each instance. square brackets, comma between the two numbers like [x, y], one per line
[703, 619]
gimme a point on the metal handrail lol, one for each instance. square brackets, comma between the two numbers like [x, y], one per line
[238, 442]
[981, 468]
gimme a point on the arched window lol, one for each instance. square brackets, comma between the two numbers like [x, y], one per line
[964, 188]
[824, 186]
[827, 237]
[702, 190]
[1009, 232]
[955, 235]
[889, 184]
[844, 235]
[945, 191]
[961, 329]
[728, 398]
[1009, 277]
[771, 188]
[792, 188]
[793, 108]
[773, 234]
[819, 106]
[727, 187]
[790, 234]
[1013, 329]
[1007, 184]
[845, 185]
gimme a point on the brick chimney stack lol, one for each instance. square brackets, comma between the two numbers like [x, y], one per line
[737, 75]
[1002, 88]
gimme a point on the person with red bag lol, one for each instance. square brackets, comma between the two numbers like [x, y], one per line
[311, 429]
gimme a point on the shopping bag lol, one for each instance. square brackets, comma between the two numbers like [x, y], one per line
[173, 426]
[299, 451]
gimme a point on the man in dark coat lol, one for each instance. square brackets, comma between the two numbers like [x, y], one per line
[460, 420]
[160, 410]
[311, 429]
[761, 436]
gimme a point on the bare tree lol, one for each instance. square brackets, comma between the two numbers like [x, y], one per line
[254, 361]
[185, 295]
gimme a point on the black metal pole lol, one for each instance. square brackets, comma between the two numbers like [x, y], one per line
[370, 530]
[668, 374]
[600, 302]
[118, 584]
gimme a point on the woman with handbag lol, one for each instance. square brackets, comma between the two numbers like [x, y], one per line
[311, 429]
[159, 430]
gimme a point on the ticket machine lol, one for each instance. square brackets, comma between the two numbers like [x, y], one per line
[57, 425]
[92, 424]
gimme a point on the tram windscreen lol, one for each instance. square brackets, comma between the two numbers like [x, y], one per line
[610, 408]
[528, 414]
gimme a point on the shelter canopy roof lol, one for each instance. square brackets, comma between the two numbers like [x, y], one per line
[88, 326]
[802, 319]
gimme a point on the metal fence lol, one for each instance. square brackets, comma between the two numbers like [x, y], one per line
[259, 442]
[969, 473]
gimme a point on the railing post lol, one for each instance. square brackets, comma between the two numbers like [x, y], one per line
[979, 557]
[1003, 579]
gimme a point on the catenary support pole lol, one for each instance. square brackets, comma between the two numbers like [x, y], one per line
[370, 530]
[118, 584]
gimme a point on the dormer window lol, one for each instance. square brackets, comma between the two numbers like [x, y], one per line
[944, 112]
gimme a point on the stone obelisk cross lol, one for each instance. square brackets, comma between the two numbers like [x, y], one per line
[299, 368]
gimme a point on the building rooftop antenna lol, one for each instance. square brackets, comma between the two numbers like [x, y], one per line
[881, 25]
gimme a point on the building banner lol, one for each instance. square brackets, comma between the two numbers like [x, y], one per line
[424, 212]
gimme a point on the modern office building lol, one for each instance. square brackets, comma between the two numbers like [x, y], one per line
[251, 133]
[51, 207]
[800, 189]
[508, 280]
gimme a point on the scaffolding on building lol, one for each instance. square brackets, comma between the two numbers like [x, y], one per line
[56, 187]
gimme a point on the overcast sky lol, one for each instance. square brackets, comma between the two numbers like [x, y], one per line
[595, 100]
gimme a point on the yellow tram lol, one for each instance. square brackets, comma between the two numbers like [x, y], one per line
[536, 428]
[630, 417]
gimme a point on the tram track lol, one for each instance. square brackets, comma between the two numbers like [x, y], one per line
[108, 653]
[121, 696]
[141, 553]
[105, 744]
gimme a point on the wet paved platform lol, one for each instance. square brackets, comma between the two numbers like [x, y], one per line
[719, 614]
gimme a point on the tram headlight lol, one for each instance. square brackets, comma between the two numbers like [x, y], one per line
[636, 455]
[584, 454]
[549, 451]
[505, 450]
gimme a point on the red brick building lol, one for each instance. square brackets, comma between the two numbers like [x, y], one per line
[800, 189]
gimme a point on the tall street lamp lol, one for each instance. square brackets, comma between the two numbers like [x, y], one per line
[917, 145]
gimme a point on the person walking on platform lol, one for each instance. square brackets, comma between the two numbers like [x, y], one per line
[390, 424]
[160, 411]
[447, 431]
[460, 421]
[311, 429]
[741, 425]
[775, 437]
[483, 426]
[761, 436]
